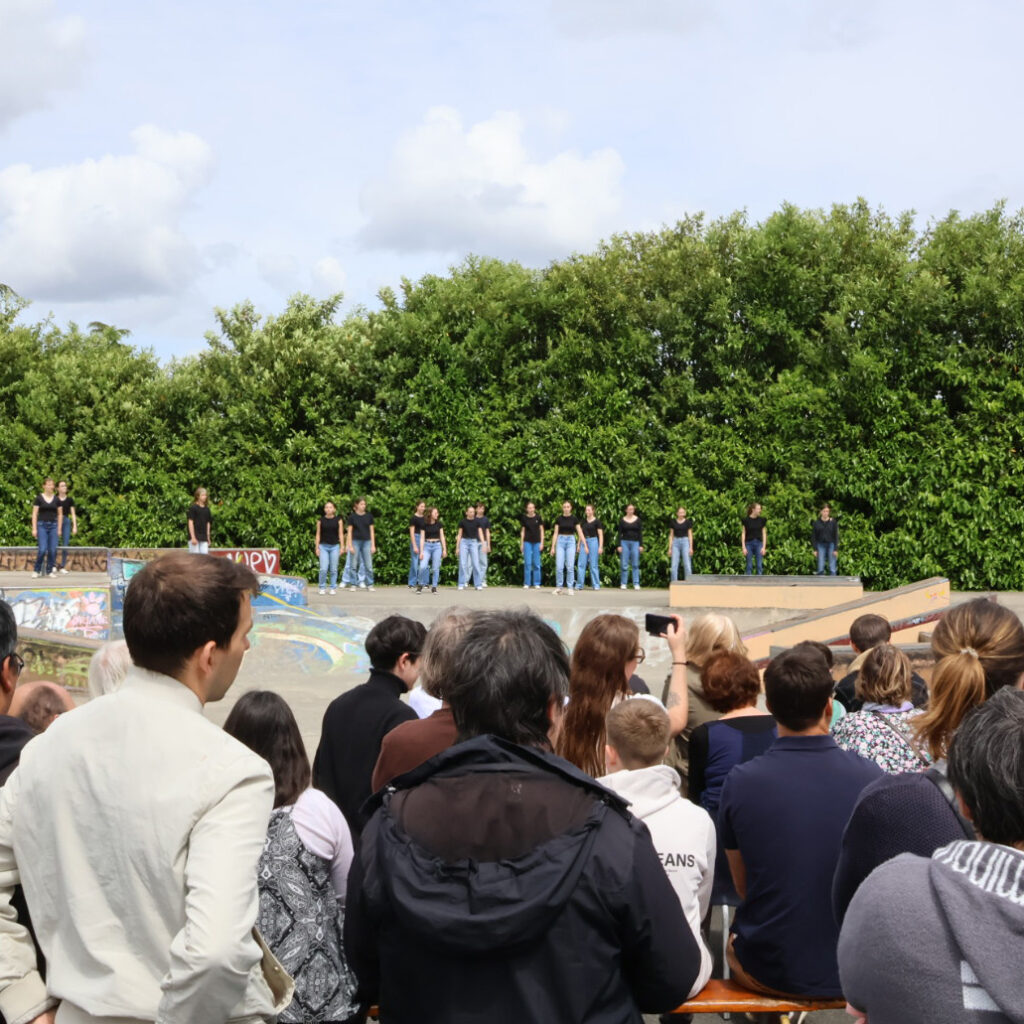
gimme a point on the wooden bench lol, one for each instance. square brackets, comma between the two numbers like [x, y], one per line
[719, 996]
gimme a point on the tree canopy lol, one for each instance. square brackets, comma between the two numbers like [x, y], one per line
[839, 356]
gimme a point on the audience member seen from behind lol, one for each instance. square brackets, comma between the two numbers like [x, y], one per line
[781, 819]
[107, 667]
[731, 686]
[14, 733]
[143, 860]
[500, 876]
[42, 706]
[867, 632]
[683, 835]
[356, 722]
[882, 731]
[303, 870]
[933, 938]
[708, 634]
[979, 649]
[605, 658]
[411, 743]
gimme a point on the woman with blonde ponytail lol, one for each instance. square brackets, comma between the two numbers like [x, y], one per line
[979, 649]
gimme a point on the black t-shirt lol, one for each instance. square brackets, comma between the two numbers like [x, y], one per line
[68, 504]
[485, 523]
[590, 529]
[566, 525]
[201, 519]
[330, 530]
[416, 522]
[532, 525]
[432, 531]
[470, 529]
[360, 523]
[681, 529]
[47, 509]
[631, 531]
[754, 527]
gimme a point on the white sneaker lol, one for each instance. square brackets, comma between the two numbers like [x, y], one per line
[35, 575]
[572, 591]
[557, 590]
[526, 586]
[462, 586]
[636, 586]
[362, 586]
[479, 588]
[622, 586]
[64, 572]
[321, 591]
[483, 584]
[53, 572]
[333, 591]
[372, 587]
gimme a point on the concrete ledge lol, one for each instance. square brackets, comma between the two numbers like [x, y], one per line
[790, 592]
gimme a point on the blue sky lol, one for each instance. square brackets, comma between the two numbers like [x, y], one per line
[158, 160]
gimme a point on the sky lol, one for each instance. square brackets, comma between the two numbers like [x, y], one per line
[158, 160]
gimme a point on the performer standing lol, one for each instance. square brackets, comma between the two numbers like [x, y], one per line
[485, 541]
[591, 549]
[361, 544]
[531, 540]
[825, 540]
[415, 529]
[46, 524]
[563, 547]
[680, 545]
[433, 547]
[200, 523]
[69, 522]
[631, 544]
[467, 550]
[754, 538]
[328, 545]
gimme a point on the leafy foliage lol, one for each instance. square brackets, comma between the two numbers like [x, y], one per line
[836, 356]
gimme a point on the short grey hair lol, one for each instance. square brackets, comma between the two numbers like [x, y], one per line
[108, 667]
[438, 654]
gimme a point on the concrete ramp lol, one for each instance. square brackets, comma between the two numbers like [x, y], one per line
[797, 593]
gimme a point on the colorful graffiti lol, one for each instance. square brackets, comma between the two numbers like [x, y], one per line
[278, 590]
[79, 559]
[71, 612]
[57, 660]
[260, 560]
[290, 640]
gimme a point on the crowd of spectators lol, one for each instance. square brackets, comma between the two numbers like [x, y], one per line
[542, 841]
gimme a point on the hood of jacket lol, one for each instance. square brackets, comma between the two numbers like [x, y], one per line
[979, 888]
[648, 790]
[478, 905]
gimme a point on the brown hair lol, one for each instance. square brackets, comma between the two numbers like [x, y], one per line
[884, 678]
[730, 681]
[868, 630]
[179, 602]
[597, 675]
[979, 649]
[41, 707]
[638, 730]
[712, 632]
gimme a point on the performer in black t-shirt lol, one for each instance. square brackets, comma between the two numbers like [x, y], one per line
[328, 545]
[46, 522]
[485, 540]
[680, 545]
[531, 540]
[467, 549]
[825, 540]
[754, 539]
[631, 544]
[69, 523]
[434, 547]
[591, 549]
[200, 523]
[563, 546]
[361, 546]
[415, 529]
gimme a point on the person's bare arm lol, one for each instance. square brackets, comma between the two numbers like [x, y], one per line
[738, 870]
[678, 703]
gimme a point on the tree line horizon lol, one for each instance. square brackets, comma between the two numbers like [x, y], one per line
[842, 357]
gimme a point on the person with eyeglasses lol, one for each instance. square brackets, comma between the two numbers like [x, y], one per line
[14, 732]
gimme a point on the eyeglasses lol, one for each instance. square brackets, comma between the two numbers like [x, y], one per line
[19, 662]
[639, 656]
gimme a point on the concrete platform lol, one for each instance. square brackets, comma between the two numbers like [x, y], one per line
[793, 592]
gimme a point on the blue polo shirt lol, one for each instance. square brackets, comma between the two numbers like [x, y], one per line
[785, 812]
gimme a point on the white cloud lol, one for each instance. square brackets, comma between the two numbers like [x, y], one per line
[593, 18]
[452, 188]
[280, 270]
[328, 276]
[104, 228]
[42, 53]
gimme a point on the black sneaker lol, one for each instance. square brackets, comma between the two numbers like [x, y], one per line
[419, 590]
[433, 590]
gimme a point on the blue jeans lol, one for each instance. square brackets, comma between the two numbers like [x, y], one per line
[483, 556]
[329, 554]
[826, 551]
[681, 549]
[47, 546]
[65, 540]
[587, 556]
[755, 549]
[565, 555]
[414, 563]
[362, 563]
[431, 556]
[199, 547]
[469, 562]
[630, 557]
[531, 564]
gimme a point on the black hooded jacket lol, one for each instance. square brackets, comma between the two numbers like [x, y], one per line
[497, 883]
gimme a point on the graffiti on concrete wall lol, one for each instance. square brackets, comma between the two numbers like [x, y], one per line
[56, 659]
[287, 640]
[278, 590]
[73, 612]
[79, 559]
[260, 560]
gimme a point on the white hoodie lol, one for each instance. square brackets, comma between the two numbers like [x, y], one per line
[684, 837]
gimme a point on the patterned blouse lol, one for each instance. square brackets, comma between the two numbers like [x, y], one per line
[885, 737]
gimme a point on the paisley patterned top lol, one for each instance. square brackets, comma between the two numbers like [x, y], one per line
[301, 922]
[882, 737]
